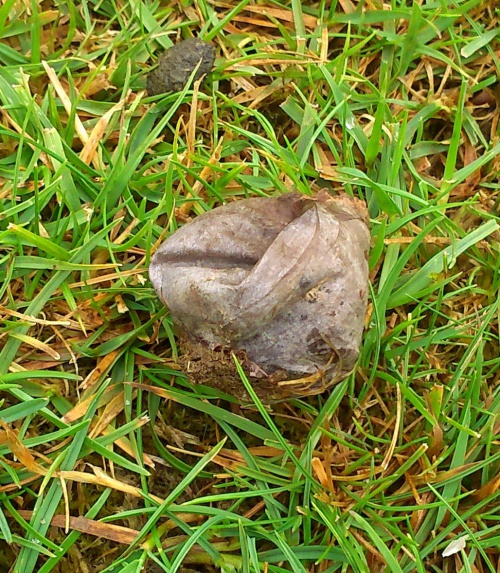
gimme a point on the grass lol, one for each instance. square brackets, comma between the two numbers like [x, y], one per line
[110, 460]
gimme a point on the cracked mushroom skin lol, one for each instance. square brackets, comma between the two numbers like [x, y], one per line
[281, 282]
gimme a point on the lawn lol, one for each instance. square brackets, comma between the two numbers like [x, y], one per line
[110, 459]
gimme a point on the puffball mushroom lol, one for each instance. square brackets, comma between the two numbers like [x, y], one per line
[176, 65]
[280, 282]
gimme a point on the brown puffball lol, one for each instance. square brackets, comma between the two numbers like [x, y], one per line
[280, 282]
[176, 65]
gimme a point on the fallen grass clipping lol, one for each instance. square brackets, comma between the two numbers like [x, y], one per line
[110, 460]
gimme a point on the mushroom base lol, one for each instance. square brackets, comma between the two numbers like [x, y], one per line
[215, 367]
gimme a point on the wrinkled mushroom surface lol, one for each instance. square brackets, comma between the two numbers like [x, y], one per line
[176, 65]
[282, 282]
